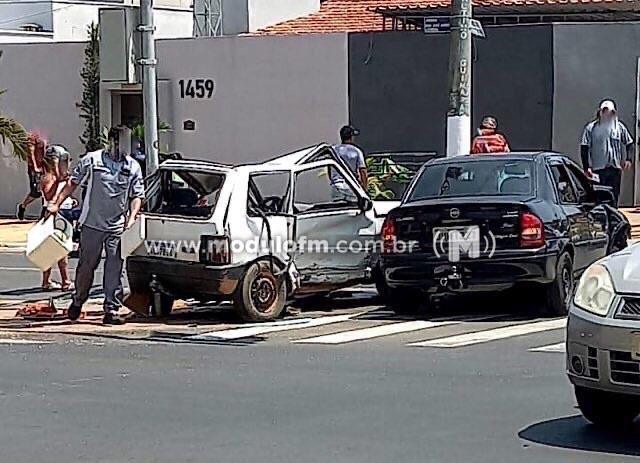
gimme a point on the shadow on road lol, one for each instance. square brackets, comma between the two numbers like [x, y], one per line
[44, 294]
[575, 433]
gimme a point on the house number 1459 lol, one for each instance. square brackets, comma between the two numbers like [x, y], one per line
[196, 88]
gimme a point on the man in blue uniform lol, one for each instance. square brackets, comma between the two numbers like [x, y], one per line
[115, 190]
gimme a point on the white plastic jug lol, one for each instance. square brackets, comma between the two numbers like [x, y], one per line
[48, 241]
[133, 238]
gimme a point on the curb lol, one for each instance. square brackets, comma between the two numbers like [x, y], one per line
[18, 247]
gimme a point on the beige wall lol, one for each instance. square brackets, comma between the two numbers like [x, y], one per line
[43, 86]
[273, 94]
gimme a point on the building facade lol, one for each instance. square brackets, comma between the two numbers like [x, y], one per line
[240, 99]
[26, 21]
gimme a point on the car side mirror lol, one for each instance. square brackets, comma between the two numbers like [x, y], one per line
[604, 195]
[365, 204]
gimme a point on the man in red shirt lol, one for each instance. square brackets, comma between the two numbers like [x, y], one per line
[488, 139]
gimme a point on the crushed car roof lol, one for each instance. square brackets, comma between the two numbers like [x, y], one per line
[285, 160]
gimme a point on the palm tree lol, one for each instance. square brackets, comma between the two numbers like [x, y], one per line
[13, 133]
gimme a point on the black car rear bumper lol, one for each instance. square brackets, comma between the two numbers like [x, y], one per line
[184, 279]
[435, 275]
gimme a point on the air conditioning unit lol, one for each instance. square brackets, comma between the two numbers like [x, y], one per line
[119, 45]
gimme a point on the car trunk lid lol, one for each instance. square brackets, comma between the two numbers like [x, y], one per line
[429, 223]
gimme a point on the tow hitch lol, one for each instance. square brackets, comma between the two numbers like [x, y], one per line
[453, 281]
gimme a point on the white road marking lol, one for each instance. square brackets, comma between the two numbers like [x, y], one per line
[256, 330]
[559, 348]
[373, 332]
[495, 334]
[23, 341]
[20, 269]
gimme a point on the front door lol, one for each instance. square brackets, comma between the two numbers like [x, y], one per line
[333, 229]
[597, 215]
[576, 213]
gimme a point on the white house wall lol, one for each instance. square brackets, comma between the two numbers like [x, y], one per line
[15, 14]
[13, 36]
[173, 23]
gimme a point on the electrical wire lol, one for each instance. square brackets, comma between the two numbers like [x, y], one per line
[19, 18]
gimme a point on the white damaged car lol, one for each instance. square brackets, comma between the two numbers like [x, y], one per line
[252, 234]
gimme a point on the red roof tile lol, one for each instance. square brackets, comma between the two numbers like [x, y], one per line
[361, 15]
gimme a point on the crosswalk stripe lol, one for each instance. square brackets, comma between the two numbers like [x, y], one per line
[247, 332]
[373, 332]
[479, 337]
[556, 348]
[23, 341]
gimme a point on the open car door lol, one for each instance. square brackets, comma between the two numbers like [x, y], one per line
[334, 225]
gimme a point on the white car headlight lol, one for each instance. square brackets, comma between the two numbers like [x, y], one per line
[595, 291]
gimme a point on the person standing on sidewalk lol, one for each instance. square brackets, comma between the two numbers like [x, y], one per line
[115, 191]
[50, 185]
[37, 146]
[353, 158]
[489, 140]
[607, 147]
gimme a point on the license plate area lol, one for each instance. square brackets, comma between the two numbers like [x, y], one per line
[163, 249]
[455, 243]
[441, 235]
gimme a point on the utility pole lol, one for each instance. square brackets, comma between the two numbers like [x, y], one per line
[459, 114]
[149, 85]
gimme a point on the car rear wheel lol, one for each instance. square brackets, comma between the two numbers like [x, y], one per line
[404, 301]
[607, 409]
[381, 285]
[260, 295]
[558, 293]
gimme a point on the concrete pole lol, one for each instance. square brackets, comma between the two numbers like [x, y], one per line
[459, 114]
[149, 85]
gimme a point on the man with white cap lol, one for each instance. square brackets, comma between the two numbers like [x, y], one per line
[607, 147]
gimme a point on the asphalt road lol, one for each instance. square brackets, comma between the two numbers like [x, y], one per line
[274, 399]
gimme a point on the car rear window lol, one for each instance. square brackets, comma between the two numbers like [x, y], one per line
[474, 178]
[187, 193]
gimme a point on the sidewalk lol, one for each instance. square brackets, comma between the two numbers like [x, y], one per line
[13, 233]
[633, 214]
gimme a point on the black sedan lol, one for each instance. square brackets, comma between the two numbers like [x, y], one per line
[490, 222]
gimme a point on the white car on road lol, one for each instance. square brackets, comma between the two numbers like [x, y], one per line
[218, 232]
[603, 339]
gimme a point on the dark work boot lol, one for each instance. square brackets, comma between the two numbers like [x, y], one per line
[74, 311]
[20, 212]
[111, 318]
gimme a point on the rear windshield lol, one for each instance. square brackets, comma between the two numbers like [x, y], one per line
[474, 178]
[188, 193]
[389, 174]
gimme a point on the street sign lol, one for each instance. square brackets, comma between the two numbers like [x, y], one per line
[476, 29]
[437, 25]
[442, 24]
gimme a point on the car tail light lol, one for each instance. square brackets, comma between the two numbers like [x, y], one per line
[214, 250]
[389, 234]
[531, 231]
